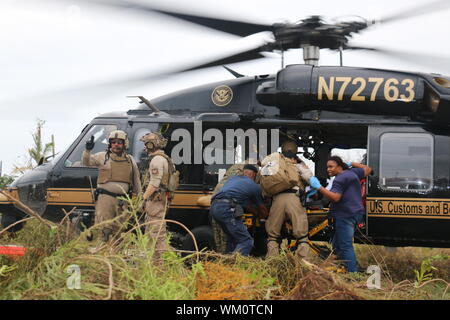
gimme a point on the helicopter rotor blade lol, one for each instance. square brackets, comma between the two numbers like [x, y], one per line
[239, 57]
[417, 58]
[416, 11]
[102, 90]
[239, 28]
[247, 55]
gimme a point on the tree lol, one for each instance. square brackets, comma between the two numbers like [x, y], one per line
[38, 153]
[5, 180]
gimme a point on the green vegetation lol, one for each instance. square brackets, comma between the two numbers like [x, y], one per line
[38, 152]
[425, 273]
[5, 180]
[124, 268]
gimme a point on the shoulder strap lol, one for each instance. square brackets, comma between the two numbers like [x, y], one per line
[171, 165]
[131, 162]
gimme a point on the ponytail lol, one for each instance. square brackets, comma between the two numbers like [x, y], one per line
[339, 162]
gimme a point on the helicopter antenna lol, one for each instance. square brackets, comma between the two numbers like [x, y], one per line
[147, 103]
[234, 73]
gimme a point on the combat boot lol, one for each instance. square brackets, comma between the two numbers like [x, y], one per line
[106, 233]
[273, 248]
[302, 248]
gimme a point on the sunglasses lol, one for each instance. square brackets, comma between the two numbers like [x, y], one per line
[116, 141]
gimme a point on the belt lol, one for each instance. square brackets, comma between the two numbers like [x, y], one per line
[289, 191]
[223, 200]
[112, 194]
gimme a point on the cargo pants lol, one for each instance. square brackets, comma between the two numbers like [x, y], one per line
[107, 208]
[156, 228]
[286, 206]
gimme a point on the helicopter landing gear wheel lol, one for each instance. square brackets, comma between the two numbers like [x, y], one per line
[203, 236]
[7, 220]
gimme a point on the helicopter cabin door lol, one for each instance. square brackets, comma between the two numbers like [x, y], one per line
[408, 194]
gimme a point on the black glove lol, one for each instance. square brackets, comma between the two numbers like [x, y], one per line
[90, 143]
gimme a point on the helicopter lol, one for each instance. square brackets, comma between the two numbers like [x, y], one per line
[401, 120]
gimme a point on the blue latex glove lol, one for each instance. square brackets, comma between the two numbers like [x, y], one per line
[314, 183]
[311, 192]
[349, 164]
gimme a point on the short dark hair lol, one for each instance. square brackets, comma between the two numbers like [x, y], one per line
[339, 162]
[251, 167]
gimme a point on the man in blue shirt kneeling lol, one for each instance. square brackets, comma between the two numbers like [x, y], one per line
[228, 205]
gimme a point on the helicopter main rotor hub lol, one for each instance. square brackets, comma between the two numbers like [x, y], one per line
[311, 55]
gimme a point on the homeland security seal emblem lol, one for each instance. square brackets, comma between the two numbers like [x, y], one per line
[222, 95]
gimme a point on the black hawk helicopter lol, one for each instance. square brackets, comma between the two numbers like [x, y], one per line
[400, 119]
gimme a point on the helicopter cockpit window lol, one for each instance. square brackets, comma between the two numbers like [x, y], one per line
[406, 162]
[100, 133]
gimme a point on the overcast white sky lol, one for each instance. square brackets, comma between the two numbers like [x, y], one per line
[53, 45]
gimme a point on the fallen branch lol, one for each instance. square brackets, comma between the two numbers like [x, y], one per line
[445, 291]
[433, 280]
[15, 223]
[67, 214]
[110, 277]
[28, 210]
[164, 220]
[398, 285]
[206, 253]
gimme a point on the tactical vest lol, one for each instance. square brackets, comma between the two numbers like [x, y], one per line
[170, 179]
[165, 177]
[121, 170]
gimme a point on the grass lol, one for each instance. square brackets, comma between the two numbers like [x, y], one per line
[124, 268]
[401, 263]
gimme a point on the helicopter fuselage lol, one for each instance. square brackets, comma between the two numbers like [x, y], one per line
[406, 141]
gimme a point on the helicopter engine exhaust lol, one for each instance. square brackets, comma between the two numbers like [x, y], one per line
[299, 88]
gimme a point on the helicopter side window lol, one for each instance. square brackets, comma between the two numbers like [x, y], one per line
[189, 173]
[406, 162]
[214, 172]
[139, 152]
[100, 133]
[350, 155]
